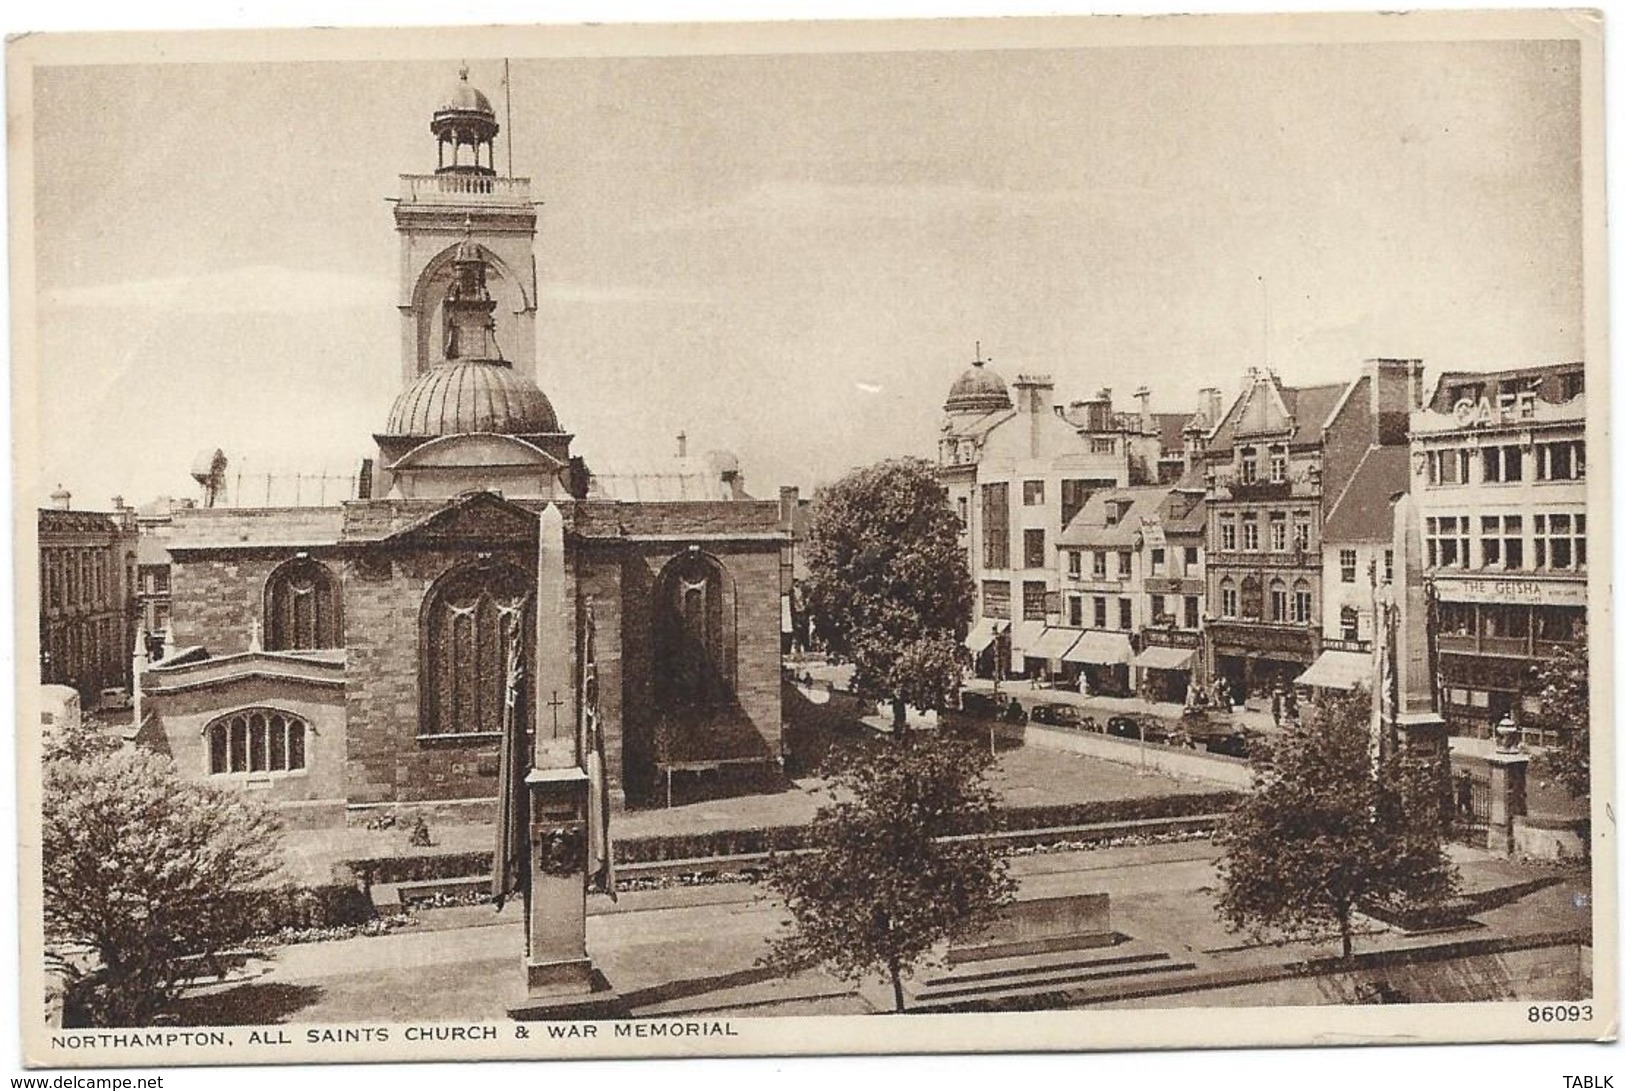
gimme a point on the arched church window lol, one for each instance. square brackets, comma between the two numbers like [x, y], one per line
[257, 740]
[695, 632]
[302, 608]
[464, 648]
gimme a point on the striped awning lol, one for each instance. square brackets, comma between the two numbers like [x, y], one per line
[1101, 648]
[1054, 644]
[983, 633]
[1159, 658]
[1338, 670]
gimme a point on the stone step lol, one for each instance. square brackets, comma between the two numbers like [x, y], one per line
[1041, 984]
[1004, 968]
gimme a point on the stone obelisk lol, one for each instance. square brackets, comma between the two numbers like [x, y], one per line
[1415, 714]
[560, 981]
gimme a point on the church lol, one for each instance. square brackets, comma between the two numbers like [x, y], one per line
[353, 659]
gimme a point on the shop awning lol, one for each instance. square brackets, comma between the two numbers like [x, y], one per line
[983, 633]
[1159, 658]
[1024, 637]
[1054, 644]
[1101, 648]
[1338, 670]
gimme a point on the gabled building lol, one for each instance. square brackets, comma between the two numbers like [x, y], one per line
[1498, 470]
[1018, 467]
[1108, 549]
[1271, 465]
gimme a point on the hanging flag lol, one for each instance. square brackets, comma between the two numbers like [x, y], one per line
[590, 738]
[511, 861]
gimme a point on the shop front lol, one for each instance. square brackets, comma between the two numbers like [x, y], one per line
[1256, 661]
[1104, 658]
[1163, 672]
[983, 642]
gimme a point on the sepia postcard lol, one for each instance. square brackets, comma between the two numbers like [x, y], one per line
[718, 540]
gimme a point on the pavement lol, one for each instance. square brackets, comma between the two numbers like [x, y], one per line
[698, 949]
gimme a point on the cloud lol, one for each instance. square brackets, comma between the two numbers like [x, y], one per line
[248, 289]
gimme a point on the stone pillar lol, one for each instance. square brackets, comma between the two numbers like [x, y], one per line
[559, 977]
[1509, 778]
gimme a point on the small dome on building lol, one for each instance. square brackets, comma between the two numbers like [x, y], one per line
[457, 398]
[978, 390]
[465, 98]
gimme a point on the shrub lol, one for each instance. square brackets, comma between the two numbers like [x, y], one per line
[149, 872]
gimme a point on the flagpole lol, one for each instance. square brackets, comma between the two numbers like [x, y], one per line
[507, 95]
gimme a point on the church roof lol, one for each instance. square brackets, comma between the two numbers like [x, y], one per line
[468, 396]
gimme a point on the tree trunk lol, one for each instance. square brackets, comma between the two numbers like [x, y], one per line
[896, 972]
[1345, 925]
[899, 717]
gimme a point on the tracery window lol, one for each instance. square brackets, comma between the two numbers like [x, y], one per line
[302, 608]
[465, 648]
[257, 741]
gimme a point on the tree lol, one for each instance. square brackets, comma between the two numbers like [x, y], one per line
[881, 887]
[1562, 686]
[151, 874]
[888, 584]
[1325, 834]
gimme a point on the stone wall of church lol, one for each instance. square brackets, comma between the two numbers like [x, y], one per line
[388, 761]
[215, 598]
[752, 597]
[311, 796]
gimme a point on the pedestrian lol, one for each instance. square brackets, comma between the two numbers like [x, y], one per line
[1275, 706]
[1464, 794]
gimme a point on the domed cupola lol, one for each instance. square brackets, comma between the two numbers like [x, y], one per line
[978, 390]
[465, 119]
[473, 389]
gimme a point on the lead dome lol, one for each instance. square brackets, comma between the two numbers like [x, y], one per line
[978, 390]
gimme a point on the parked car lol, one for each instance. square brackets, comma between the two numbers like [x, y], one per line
[1236, 744]
[115, 699]
[1124, 727]
[1057, 715]
[974, 703]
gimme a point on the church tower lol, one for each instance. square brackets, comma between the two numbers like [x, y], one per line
[465, 198]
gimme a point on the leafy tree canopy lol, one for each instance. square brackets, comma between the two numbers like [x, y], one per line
[1324, 834]
[888, 582]
[150, 874]
[882, 888]
[1562, 686]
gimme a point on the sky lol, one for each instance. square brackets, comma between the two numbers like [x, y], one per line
[792, 257]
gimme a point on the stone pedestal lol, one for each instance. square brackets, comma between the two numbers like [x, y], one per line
[1424, 735]
[560, 981]
[1509, 778]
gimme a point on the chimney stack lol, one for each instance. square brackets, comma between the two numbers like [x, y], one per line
[789, 500]
[1148, 426]
[682, 444]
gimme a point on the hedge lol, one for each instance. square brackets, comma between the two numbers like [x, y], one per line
[762, 839]
[278, 909]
